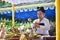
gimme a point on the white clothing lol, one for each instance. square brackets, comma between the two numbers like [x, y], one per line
[0, 33]
[43, 29]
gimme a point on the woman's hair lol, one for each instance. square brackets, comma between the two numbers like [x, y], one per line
[41, 9]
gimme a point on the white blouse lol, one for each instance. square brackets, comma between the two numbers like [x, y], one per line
[43, 29]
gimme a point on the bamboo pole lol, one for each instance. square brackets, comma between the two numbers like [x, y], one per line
[12, 15]
[29, 6]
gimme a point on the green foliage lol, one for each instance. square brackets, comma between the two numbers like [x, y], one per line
[8, 24]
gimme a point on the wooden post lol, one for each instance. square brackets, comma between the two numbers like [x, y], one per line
[57, 19]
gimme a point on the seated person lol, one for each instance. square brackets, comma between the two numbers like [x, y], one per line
[41, 24]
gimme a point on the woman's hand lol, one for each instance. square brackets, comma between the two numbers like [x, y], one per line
[36, 25]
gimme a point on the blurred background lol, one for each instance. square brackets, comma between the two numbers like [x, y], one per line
[22, 14]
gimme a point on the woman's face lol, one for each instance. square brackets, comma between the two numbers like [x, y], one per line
[40, 14]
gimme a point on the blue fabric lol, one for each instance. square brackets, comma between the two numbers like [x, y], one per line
[31, 14]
